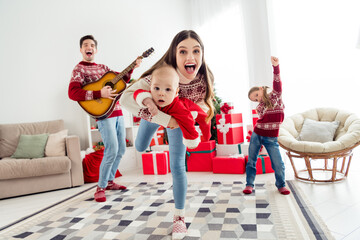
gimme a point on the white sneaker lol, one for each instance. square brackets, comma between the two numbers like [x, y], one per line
[179, 228]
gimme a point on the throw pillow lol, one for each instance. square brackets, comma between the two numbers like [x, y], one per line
[316, 131]
[55, 145]
[31, 146]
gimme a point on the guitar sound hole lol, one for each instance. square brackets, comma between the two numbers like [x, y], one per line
[110, 84]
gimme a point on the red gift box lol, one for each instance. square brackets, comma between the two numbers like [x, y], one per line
[200, 159]
[229, 128]
[233, 164]
[255, 117]
[263, 164]
[158, 138]
[156, 163]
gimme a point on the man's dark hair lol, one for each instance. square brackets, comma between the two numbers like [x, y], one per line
[87, 37]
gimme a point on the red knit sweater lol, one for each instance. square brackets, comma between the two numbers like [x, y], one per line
[85, 73]
[269, 120]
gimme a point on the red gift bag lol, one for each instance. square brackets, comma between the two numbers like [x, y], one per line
[91, 165]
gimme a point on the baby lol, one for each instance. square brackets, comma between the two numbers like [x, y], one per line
[163, 96]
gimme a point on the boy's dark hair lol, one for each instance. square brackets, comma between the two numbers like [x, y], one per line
[87, 37]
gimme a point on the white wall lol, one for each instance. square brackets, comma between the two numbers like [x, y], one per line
[39, 47]
[319, 61]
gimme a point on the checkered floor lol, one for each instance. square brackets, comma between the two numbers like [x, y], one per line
[145, 211]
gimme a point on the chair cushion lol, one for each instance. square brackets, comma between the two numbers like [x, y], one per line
[316, 131]
[346, 136]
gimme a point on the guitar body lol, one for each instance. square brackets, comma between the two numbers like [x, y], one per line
[102, 108]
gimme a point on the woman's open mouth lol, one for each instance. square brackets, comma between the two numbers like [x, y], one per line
[190, 68]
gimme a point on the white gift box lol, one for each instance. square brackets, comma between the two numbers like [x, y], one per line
[232, 149]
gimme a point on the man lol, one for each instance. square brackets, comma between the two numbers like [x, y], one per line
[112, 128]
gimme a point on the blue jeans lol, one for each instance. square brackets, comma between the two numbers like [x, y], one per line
[177, 157]
[112, 132]
[272, 147]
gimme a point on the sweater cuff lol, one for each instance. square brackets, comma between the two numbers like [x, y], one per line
[276, 69]
[161, 118]
[191, 143]
[97, 94]
[141, 97]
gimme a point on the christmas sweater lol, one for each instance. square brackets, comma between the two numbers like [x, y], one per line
[184, 111]
[269, 120]
[85, 73]
[194, 91]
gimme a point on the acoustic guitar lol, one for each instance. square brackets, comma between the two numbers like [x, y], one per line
[102, 108]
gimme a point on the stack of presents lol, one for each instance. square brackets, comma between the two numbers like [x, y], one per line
[228, 156]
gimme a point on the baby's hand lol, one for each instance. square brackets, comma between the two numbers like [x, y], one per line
[150, 104]
[274, 61]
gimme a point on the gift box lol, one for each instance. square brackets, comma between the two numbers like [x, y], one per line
[263, 164]
[158, 138]
[156, 163]
[227, 108]
[233, 164]
[231, 149]
[229, 128]
[200, 159]
[255, 117]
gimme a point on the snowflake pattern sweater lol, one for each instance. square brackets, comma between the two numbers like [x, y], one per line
[269, 120]
[194, 91]
[85, 73]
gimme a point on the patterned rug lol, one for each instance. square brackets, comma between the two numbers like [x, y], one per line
[214, 210]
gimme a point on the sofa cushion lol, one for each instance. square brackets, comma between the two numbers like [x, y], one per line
[31, 146]
[55, 145]
[10, 133]
[22, 168]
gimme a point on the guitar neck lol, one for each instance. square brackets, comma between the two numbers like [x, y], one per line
[123, 73]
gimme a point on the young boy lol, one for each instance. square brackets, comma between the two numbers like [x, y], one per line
[112, 128]
[163, 96]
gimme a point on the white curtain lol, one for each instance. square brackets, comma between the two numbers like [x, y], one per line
[221, 27]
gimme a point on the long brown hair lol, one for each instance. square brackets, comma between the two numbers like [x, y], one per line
[265, 97]
[170, 59]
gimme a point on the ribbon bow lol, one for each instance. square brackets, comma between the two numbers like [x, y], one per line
[225, 108]
[248, 136]
[222, 126]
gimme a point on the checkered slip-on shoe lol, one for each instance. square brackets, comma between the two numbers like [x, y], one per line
[179, 228]
[99, 195]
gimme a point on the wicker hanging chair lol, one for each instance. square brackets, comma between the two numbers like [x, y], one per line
[322, 161]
